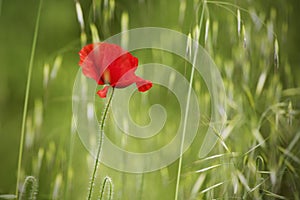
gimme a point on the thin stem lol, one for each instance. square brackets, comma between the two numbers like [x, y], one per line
[100, 144]
[187, 109]
[27, 95]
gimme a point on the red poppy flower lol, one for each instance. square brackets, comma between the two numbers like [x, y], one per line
[109, 64]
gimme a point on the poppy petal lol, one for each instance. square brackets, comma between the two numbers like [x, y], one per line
[143, 85]
[87, 63]
[123, 67]
[84, 52]
[109, 64]
[102, 93]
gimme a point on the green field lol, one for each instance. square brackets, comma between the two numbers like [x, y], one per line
[253, 44]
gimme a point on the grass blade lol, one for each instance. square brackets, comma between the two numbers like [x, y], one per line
[36, 30]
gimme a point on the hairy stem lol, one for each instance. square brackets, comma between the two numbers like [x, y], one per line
[106, 179]
[30, 189]
[100, 144]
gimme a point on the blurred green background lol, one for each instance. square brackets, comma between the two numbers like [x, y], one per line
[64, 161]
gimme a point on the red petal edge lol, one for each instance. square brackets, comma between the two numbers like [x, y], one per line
[144, 85]
[102, 93]
[84, 52]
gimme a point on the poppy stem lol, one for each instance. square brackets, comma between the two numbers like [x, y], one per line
[102, 122]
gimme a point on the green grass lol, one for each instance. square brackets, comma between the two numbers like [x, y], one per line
[254, 46]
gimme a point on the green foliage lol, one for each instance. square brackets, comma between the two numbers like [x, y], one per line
[254, 45]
